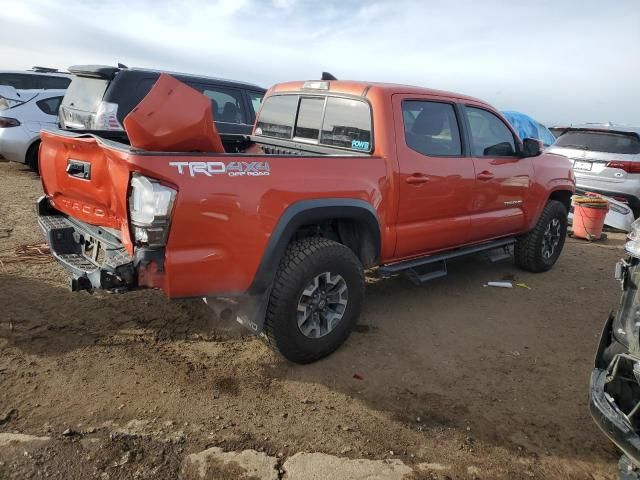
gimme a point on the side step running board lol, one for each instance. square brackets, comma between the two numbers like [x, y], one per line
[415, 268]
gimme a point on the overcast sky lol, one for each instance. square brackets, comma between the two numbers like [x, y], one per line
[559, 61]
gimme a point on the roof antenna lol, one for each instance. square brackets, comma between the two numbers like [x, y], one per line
[122, 65]
[327, 76]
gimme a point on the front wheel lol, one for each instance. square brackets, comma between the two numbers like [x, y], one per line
[539, 250]
[316, 299]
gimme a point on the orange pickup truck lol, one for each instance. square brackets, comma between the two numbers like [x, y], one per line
[337, 177]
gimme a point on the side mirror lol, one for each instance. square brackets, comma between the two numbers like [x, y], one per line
[531, 147]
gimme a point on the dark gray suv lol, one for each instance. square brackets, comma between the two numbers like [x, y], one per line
[100, 97]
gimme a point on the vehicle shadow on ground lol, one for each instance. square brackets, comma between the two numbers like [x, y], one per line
[44, 319]
[504, 367]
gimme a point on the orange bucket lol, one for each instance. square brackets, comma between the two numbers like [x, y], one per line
[588, 216]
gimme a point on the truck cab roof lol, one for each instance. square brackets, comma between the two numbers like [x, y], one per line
[360, 88]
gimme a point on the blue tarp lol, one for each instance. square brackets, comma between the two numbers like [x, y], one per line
[527, 127]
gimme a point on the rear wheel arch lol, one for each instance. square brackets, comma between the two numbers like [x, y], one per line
[351, 222]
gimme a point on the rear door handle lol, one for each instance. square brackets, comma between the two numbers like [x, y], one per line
[417, 179]
[485, 175]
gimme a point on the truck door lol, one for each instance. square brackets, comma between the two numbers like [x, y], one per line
[436, 176]
[502, 177]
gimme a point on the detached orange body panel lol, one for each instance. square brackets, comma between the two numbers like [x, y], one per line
[173, 117]
[231, 209]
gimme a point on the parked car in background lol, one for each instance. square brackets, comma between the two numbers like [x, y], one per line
[22, 114]
[558, 130]
[527, 127]
[39, 78]
[100, 97]
[606, 159]
[615, 380]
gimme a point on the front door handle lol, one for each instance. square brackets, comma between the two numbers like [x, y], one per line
[417, 179]
[485, 175]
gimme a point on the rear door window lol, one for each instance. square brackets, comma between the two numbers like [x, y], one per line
[599, 141]
[49, 106]
[226, 104]
[490, 136]
[431, 128]
[277, 116]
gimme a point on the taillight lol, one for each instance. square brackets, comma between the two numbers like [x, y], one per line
[106, 117]
[150, 205]
[6, 122]
[629, 167]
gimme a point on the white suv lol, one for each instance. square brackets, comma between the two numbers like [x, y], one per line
[38, 78]
[606, 159]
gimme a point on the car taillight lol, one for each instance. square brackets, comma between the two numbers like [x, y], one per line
[150, 205]
[106, 117]
[629, 167]
[6, 122]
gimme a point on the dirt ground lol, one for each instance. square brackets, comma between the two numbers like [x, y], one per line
[488, 382]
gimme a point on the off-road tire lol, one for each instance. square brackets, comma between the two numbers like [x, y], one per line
[528, 249]
[31, 158]
[302, 262]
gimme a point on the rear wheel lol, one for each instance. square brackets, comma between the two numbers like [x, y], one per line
[539, 250]
[316, 299]
[31, 158]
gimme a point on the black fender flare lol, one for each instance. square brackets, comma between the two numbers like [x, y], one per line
[307, 212]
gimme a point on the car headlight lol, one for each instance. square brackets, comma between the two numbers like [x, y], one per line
[150, 206]
[632, 247]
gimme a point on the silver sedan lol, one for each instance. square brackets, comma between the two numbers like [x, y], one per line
[23, 113]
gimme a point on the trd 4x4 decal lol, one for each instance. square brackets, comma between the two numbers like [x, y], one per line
[232, 169]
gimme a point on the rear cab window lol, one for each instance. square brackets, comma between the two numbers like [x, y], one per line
[600, 141]
[324, 120]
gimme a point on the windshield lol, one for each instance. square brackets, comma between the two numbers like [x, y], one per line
[599, 141]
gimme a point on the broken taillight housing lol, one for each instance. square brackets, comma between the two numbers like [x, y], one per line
[106, 117]
[150, 206]
[632, 247]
